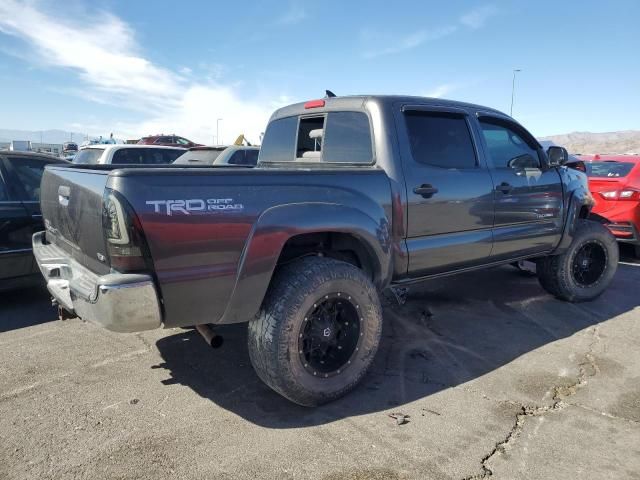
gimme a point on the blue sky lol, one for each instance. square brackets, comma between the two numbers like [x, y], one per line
[140, 67]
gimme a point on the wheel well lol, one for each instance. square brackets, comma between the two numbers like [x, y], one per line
[584, 212]
[341, 246]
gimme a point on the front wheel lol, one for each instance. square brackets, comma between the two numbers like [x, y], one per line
[586, 269]
[317, 331]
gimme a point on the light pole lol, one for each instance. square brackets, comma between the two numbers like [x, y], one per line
[513, 89]
[218, 131]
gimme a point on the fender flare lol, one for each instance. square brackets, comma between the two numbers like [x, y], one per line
[578, 199]
[277, 225]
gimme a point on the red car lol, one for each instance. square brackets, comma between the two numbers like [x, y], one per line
[168, 140]
[614, 181]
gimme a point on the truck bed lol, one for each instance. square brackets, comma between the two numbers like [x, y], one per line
[198, 222]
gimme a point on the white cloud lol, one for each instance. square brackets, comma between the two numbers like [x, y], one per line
[440, 90]
[106, 56]
[294, 14]
[478, 17]
[408, 42]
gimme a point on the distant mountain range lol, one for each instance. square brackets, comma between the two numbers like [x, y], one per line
[45, 136]
[627, 141]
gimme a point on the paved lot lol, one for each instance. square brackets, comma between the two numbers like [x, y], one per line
[498, 379]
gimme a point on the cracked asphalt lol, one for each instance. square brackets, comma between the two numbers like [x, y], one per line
[496, 379]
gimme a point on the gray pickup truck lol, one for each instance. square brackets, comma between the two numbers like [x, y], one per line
[351, 195]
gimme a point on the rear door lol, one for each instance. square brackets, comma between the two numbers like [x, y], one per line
[15, 228]
[27, 173]
[449, 190]
[528, 195]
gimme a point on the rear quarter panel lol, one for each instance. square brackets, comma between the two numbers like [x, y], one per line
[215, 265]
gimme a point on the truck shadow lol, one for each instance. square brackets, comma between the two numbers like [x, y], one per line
[449, 331]
[25, 307]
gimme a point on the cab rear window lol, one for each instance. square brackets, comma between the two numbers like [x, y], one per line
[608, 169]
[336, 137]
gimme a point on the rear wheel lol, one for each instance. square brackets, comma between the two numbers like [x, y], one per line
[317, 332]
[586, 269]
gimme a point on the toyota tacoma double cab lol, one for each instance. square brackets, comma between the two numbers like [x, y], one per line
[351, 195]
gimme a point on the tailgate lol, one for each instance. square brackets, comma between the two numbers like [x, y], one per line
[71, 203]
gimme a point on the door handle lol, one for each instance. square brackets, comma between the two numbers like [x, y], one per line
[504, 187]
[426, 190]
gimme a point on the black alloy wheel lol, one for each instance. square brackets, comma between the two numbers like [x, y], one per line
[330, 335]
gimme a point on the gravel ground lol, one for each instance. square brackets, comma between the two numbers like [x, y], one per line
[496, 378]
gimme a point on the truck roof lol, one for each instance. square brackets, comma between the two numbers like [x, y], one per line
[358, 102]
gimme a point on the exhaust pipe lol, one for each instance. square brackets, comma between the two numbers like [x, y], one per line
[209, 335]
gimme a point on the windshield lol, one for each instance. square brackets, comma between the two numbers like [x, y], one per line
[610, 169]
[88, 156]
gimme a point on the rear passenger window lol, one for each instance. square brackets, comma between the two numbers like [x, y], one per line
[29, 173]
[347, 138]
[128, 156]
[278, 144]
[440, 140]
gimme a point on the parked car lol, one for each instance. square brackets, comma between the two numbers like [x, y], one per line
[205, 155]
[69, 147]
[246, 156]
[168, 140]
[124, 154]
[20, 217]
[351, 195]
[614, 181]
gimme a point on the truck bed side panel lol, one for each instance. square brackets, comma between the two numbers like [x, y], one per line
[197, 252]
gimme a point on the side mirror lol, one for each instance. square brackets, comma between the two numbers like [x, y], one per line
[557, 156]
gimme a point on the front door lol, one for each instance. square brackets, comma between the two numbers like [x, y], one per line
[528, 195]
[449, 191]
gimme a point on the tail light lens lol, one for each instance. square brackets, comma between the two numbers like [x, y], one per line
[625, 194]
[126, 246]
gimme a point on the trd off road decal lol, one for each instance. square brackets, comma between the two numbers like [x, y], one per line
[195, 205]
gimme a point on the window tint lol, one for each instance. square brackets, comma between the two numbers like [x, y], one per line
[610, 169]
[145, 156]
[129, 156]
[4, 195]
[507, 148]
[182, 141]
[251, 157]
[278, 144]
[164, 140]
[88, 156]
[347, 138]
[29, 173]
[244, 157]
[440, 139]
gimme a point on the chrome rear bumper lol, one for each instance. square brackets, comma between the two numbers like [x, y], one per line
[121, 302]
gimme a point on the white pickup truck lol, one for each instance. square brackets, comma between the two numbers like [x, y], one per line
[125, 154]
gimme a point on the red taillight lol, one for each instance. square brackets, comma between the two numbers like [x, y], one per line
[314, 104]
[126, 246]
[624, 194]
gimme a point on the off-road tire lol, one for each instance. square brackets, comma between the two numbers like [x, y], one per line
[274, 332]
[556, 274]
